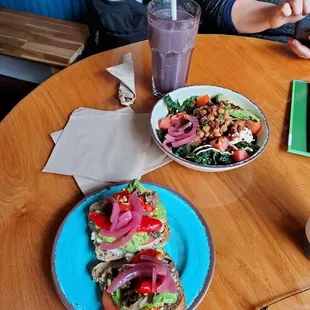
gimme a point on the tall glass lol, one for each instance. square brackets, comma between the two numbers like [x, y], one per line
[172, 43]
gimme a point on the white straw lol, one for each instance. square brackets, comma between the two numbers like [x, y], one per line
[173, 4]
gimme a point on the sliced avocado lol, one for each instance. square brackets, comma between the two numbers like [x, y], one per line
[243, 114]
[221, 97]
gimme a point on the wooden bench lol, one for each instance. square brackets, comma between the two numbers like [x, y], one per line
[40, 38]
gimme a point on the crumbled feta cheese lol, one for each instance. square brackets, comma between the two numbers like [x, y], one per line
[243, 135]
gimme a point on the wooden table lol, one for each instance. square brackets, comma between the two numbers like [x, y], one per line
[256, 214]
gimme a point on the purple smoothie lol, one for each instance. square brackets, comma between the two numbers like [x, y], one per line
[172, 44]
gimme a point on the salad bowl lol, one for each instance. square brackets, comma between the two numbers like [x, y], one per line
[254, 114]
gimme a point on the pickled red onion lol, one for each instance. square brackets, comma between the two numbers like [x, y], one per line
[128, 275]
[124, 219]
[135, 222]
[167, 285]
[118, 243]
[178, 137]
[170, 138]
[131, 228]
[146, 270]
[115, 211]
[139, 270]
[136, 203]
[184, 141]
[154, 277]
[165, 146]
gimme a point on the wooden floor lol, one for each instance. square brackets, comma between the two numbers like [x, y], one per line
[11, 92]
[40, 38]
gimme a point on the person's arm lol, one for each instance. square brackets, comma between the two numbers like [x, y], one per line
[250, 16]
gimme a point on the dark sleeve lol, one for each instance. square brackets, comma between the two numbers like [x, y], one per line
[216, 16]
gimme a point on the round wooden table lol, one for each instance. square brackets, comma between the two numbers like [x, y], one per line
[257, 214]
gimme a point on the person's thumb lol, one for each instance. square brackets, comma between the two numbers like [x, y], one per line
[280, 15]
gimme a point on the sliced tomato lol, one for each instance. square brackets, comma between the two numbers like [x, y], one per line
[165, 123]
[179, 116]
[220, 144]
[203, 100]
[100, 220]
[107, 302]
[145, 286]
[240, 155]
[150, 252]
[253, 126]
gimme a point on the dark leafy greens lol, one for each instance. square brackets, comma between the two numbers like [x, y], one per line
[251, 148]
[209, 157]
[175, 107]
[161, 134]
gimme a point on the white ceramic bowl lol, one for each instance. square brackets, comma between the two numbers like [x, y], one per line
[160, 110]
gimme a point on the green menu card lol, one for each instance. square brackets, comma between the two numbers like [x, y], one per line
[299, 132]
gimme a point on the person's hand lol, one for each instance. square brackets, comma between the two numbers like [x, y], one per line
[289, 11]
[299, 49]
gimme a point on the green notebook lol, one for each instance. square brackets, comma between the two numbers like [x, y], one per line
[299, 134]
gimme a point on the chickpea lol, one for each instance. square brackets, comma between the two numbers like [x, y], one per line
[227, 123]
[221, 111]
[214, 110]
[200, 133]
[206, 128]
[224, 128]
[216, 131]
[226, 114]
[203, 112]
[211, 117]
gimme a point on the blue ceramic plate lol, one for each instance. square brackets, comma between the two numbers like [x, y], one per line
[190, 246]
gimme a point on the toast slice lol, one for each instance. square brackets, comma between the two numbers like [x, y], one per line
[105, 272]
[140, 240]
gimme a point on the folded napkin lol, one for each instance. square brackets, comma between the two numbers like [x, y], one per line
[125, 74]
[154, 158]
[101, 145]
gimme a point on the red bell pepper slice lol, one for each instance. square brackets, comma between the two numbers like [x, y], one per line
[149, 224]
[100, 220]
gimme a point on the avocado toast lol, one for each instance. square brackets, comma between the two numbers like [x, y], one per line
[131, 220]
[146, 281]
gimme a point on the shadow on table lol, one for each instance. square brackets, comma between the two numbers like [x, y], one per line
[282, 49]
[286, 122]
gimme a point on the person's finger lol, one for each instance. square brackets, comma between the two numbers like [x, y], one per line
[299, 49]
[297, 6]
[294, 48]
[306, 7]
[286, 9]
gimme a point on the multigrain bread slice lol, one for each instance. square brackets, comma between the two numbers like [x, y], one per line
[150, 240]
[101, 274]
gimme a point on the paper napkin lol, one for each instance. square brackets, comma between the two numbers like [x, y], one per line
[101, 145]
[125, 74]
[155, 158]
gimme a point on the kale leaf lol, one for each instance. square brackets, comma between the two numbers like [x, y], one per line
[247, 146]
[189, 105]
[211, 157]
[175, 107]
[161, 134]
